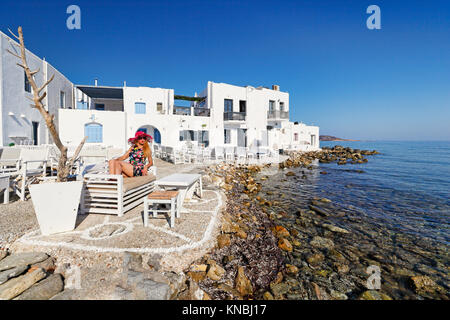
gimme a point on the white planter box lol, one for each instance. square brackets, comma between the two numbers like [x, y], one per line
[56, 205]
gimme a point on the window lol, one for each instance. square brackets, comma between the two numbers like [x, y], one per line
[271, 106]
[62, 99]
[159, 107]
[27, 83]
[228, 107]
[188, 135]
[204, 138]
[99, 106]
[296, 136]
[243, 106]
[139, 108]
[82, 105]
[281, 106]
[94, 132]
[227, 136]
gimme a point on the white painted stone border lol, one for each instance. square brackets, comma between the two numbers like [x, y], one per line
[190, 245]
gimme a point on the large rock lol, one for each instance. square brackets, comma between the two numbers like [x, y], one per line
[132, 261]
[280, 232]
[3, 254]
[215, 272]
[423, 284]
[22, 259]
[154, 262]
[48, 265]
[243, 284]
[44, 289]
[11, 273]
[285, 245]
[334, 228]
[322, 243]
[16, 286]
[223, 240]
[374, 295]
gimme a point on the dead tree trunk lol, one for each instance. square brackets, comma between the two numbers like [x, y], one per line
[64, 164]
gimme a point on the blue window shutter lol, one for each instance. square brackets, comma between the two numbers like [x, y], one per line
[139, 107]
[94, 132]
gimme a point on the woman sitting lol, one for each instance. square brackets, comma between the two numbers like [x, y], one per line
[138, 153]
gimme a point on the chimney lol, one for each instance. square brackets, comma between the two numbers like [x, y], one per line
[276, 87]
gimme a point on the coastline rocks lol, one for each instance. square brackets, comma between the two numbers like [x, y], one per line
[280, 232]
[322, 243]
[223, 240]
[243, 284]
[373, 295]
[285, 245]
[215, 272]
[291, 269]
[11, 273]
[22, 259]
[423, 285]
[315, 259]
[16, 286]
[44, 289]
[334, 228]
[320, 211]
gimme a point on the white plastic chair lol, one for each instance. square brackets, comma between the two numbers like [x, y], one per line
[229, 153]
[241, 153]
[219, 153]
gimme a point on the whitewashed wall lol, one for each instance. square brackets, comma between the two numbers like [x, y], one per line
[168, 124]
[72, 122]
[14, 97]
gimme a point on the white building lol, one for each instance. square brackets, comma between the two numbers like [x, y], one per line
[221, 115]
[19, 122]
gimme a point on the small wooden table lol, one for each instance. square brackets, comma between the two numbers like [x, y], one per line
[183, 182]
[162, 197]
[4, 184]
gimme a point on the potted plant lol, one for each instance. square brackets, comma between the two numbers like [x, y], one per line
[55, 203]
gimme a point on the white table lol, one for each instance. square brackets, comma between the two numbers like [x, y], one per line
[4, 184]
[183, 182]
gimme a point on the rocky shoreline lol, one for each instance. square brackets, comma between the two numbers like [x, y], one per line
[29, 276]
[268, 251]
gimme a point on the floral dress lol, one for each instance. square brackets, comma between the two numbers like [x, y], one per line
[137, 159]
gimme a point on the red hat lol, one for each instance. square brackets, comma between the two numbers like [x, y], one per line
[140, 134]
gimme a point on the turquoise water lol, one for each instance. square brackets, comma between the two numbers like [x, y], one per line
[407, 185]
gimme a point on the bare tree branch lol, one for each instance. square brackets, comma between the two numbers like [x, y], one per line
[46, 83]
[64, 166]
[77, 152]
[13, 34]
[42, 97]
[21, 65]
[14, 54]
[34, 72]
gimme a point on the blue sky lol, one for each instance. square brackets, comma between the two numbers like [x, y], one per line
[353, 82]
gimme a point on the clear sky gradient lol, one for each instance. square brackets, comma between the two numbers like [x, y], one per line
[353, 82]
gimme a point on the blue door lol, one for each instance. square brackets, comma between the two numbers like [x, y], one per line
[157, 136]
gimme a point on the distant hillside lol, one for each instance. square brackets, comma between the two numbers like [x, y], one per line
[333, 138]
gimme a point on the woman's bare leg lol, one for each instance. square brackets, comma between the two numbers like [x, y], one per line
[124, 168]
[112, 166]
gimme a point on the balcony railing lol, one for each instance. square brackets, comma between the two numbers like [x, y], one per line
[202, 112]
[239, 116]
[278, 114]
[184, 111]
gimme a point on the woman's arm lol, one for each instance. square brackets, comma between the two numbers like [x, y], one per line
[123, 157]
[150, 161]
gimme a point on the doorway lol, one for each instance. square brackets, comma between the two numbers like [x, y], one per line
[35, 132]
